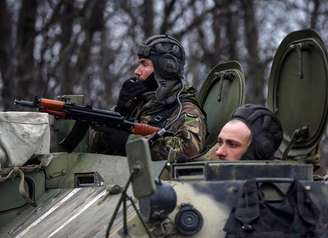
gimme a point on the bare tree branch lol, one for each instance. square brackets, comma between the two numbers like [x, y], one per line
[7, 68]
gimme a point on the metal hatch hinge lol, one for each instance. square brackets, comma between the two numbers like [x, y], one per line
[300, 47]
[299, 135]
[229, 76]
[300, 60]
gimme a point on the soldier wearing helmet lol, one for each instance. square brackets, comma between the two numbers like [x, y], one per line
[157, 95]
[253, 133]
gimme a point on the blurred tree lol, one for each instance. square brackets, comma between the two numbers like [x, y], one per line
[255, 67]
[6, 56]
[148, 19]
[88, 47]
[25, 74]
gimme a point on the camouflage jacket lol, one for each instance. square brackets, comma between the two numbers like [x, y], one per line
[189, 132]
[188, 127]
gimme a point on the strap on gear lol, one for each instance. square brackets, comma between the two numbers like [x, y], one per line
[8, 173]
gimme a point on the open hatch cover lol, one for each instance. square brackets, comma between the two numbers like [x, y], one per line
[221, 93]
[298, 88]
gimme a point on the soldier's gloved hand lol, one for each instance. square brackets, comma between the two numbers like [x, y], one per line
[131, 90]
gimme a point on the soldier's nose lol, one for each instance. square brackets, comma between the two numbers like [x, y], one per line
[137, 72]
[221, 152]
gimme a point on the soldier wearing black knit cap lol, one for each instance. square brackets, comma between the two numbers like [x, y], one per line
[253, 133]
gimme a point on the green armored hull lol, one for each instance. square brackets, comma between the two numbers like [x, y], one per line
[75, 197]
[211, 188]
[207, 193]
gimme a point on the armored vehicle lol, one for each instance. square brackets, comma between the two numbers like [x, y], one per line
[79, 194]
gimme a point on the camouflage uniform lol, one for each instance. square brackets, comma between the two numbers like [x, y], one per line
[189, 129]
[189, 134]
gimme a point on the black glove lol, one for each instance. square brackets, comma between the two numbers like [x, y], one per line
[131, 91]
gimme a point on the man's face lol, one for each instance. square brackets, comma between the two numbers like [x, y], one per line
[144, 69]
[233, 140]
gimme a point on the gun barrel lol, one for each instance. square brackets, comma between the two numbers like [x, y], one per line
[25, 103]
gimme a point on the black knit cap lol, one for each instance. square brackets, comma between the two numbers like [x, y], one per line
[266, 131]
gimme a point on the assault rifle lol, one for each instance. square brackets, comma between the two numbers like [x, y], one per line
[87, 114]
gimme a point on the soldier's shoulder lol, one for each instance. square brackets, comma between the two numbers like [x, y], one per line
[191, 109]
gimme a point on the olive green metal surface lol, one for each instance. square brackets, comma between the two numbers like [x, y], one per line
[298, 88]
[222, 92]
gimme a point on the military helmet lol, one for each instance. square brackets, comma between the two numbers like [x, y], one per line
[265, 128]
[166, 53]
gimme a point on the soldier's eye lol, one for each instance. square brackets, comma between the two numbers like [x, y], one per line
[233, 144]
[220, 141]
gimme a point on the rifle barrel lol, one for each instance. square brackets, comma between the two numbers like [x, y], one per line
[25, 103]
